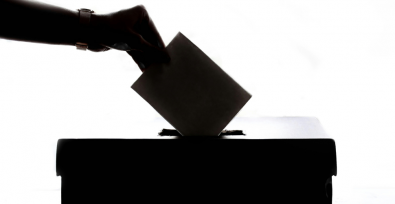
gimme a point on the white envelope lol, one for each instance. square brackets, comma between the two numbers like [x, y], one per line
[191, 92]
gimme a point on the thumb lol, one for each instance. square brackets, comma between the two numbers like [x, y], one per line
[142, 52]
[153, 53]
[147, 54]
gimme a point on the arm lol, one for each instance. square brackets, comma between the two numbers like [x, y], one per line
[33, 21]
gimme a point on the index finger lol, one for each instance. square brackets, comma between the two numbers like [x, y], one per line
[149, 32]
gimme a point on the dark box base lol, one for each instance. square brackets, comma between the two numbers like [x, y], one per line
[189, 170]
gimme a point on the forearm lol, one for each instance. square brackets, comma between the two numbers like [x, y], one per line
[130, 30]
[33, 21]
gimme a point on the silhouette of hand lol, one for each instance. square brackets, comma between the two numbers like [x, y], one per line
[130, 30]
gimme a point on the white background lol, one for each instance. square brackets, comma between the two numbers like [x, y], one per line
[333, 60]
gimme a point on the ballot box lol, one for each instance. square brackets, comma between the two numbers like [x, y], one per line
[237, 169]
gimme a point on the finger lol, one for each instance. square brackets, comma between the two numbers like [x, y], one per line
[145, 53]
[148, 31]
[138, 58]
[153, 54]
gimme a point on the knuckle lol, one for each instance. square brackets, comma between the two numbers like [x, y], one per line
[141, 8]
[143, 12]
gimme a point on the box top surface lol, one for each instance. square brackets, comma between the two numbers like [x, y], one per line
[267, 137]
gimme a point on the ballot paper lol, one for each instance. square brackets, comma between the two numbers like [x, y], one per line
[191, 92]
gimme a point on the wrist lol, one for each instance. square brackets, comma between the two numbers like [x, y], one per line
[97, 21]
[96, 29]
[89, 28]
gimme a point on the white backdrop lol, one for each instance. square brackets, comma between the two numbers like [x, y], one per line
[333, 60]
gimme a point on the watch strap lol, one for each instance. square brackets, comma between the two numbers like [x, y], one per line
[84, 20]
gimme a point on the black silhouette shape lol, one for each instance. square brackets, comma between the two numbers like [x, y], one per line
[196, 170]
[33, 21]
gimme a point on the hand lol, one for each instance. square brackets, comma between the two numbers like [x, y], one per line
[133, 30]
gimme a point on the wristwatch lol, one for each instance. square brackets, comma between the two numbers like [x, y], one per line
[84, 20]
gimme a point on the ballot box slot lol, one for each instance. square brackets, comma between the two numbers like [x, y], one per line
[173, 132]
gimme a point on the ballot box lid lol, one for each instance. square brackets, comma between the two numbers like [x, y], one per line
[301, 146]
